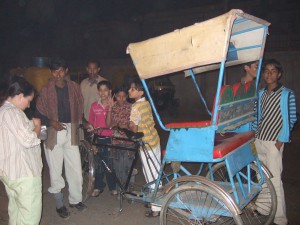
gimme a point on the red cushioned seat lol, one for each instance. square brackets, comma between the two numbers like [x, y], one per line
[189, 124]
[228, 142]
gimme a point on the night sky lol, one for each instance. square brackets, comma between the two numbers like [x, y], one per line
[31, 28]
[33, 25]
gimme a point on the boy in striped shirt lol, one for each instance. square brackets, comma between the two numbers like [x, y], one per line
[276, 117]
[141, 120]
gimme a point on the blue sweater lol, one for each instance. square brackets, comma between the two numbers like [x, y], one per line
[288, 112]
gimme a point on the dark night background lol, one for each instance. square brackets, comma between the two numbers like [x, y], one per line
[78, 30]
[81, 29]
[54, 27]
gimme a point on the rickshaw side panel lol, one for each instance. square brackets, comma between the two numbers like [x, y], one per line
[241, 157]
[191, 144]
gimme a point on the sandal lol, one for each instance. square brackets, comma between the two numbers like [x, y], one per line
[151, 213]
[148, 205]
[96, 192]
[114, 192]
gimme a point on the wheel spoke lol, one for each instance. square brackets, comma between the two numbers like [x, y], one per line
[262, 208]
[195, 205]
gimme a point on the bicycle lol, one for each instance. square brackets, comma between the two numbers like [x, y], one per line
[88, 162]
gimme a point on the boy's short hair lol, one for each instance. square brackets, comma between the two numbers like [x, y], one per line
[273, 62]
[56, 63]
[249, 64]
[138, 84]
[121, 88]
[104, 83]
[93, 61]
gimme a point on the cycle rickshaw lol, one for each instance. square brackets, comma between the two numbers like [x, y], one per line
[237, 188]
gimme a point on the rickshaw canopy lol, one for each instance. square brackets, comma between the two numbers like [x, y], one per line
[235, 37]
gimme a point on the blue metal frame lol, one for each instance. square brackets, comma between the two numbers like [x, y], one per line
[197, 144]
[199, 91]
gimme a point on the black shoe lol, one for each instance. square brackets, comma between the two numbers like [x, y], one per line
[63, 212]
[80, 206]
[256, 213]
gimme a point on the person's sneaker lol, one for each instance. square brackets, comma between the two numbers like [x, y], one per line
[63, 212]
[80, 206]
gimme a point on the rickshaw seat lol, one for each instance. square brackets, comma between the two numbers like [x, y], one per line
[226, 143]
[189, 124]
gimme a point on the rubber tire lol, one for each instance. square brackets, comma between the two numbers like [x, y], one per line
[88, 170]
[220, 174]
[209, 193]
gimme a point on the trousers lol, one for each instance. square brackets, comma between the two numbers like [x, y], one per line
[68, 155]
[272, 158]
[151, 166]
[25, 200]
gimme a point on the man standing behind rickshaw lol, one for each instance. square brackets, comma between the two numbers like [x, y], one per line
[88, 87]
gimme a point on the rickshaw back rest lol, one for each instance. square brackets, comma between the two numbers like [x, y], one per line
[231, 131]
[236, 108]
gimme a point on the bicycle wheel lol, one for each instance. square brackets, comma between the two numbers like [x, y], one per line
[261, 209]
[88, 170]
[197, 204]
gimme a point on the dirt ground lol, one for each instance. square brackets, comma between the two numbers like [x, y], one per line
[104, 210]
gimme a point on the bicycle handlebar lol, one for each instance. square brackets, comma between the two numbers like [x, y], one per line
[130, 134]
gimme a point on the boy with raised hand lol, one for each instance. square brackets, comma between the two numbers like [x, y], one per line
[97, 118]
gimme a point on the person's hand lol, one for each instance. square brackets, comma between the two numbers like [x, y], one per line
[37, 125]
[89, 128]
[57, 125]
[36, 122]
[94, 149]
[278, 145]
[123, 125]
[111, 102]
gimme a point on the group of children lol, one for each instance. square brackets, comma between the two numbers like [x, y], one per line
[113, 110]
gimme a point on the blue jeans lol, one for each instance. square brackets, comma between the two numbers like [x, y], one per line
[101, 171]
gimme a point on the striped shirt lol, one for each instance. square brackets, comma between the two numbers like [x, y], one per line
[271, 121]
[20, 152]
[141, 115]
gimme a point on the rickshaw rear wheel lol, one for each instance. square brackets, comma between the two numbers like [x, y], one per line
[257, 212]
[88, 169]
[197, 204]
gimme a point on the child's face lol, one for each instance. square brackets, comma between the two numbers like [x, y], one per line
[93, 69]
[104, 92]
[134, 93]
[252, 69]
[121, 97]
[271, 74]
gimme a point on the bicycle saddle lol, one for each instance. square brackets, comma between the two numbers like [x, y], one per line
[130, 134]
